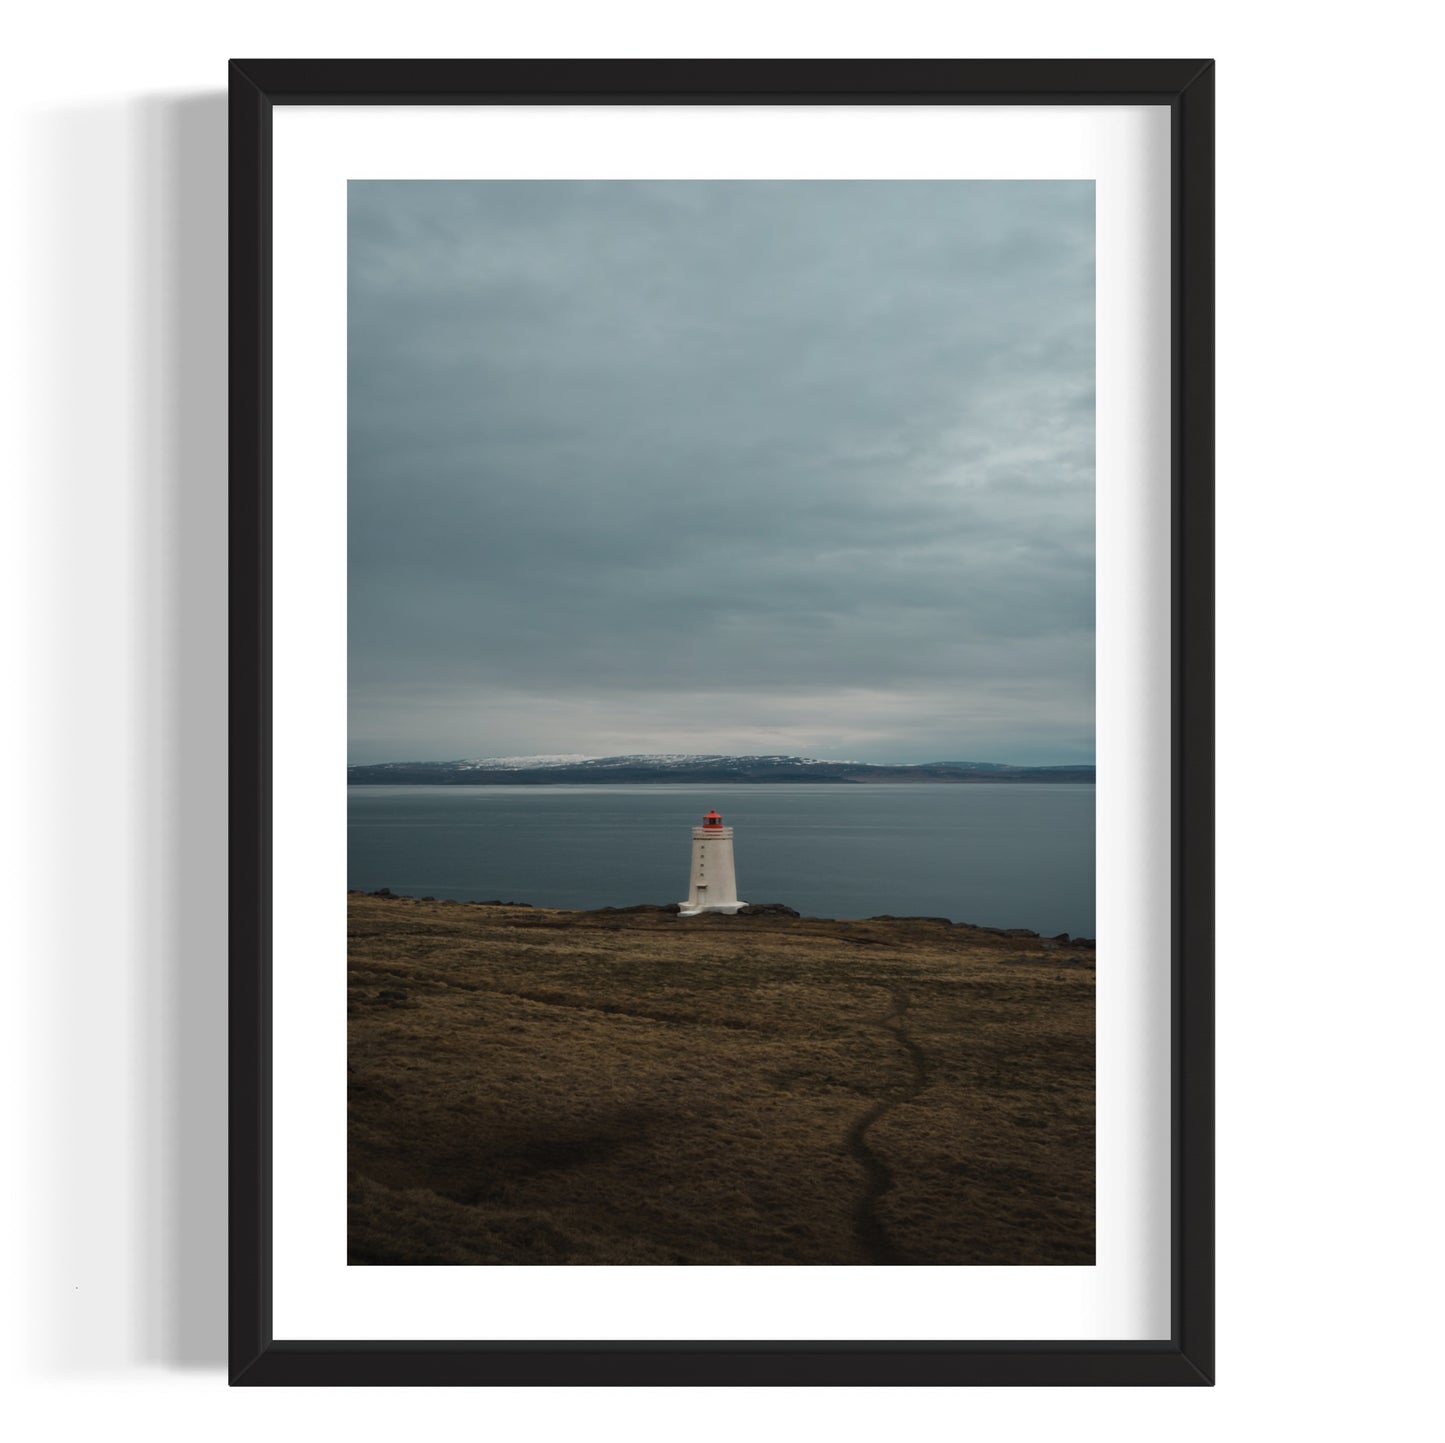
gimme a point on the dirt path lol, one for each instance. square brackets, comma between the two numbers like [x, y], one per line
[878, 1176]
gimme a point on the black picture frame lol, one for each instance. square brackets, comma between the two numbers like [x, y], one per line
[1187, 87]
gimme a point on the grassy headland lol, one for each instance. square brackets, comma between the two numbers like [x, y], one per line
[536, 1086]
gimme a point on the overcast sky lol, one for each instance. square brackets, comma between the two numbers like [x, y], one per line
[739, 467]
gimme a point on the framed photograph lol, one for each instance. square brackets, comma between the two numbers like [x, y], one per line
[747, 526]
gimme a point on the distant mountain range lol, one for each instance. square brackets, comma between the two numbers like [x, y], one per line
[583, 770]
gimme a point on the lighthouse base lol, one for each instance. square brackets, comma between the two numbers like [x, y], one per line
[726, 908]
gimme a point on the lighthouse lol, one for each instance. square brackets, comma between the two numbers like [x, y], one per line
[714, 886]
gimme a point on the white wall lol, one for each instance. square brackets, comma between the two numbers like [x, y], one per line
[1329, 476]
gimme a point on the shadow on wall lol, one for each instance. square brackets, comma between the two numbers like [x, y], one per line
[126, 1157]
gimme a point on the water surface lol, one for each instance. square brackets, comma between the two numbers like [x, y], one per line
[1002, 855]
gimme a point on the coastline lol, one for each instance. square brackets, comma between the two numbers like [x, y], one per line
[745, 913]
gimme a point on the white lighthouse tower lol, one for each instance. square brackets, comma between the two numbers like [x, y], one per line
[714, 885]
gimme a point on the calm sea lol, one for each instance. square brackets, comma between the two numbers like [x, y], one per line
[995, 855]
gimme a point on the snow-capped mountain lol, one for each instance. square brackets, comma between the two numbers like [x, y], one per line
[526, 764]
[674, 760]
[577, 768]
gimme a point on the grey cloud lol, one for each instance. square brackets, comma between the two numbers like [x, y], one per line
[822, 449]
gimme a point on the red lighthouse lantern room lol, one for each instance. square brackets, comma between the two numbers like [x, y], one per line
[712, 819]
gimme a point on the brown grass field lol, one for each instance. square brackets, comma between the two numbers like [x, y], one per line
[532, 1086]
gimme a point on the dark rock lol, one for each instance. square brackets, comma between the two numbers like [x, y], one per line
[994, 931]
[648, 908]
[1019, 932]
[392, 994]
[889, 917]
[383, 892]
[1082, 942]
[428, 899]
[766, 909]
[1061, 937]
